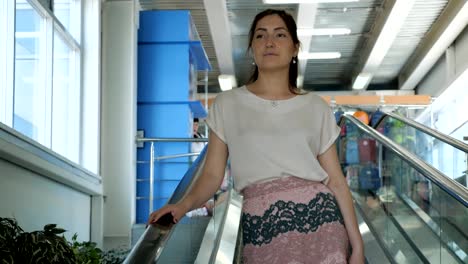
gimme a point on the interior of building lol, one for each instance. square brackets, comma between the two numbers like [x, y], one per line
[98, 100]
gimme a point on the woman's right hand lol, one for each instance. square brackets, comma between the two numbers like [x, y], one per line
[177, 210]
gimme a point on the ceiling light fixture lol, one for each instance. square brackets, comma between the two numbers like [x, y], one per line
[387, 32]
[319, 55]
[305, 1]
[226, 82]
[361, 81]
[322, 31]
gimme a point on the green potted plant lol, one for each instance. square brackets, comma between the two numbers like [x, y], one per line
[43, 246]
[50, 246]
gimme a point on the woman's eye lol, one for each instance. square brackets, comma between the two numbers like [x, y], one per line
[281, 35]
[259, 36]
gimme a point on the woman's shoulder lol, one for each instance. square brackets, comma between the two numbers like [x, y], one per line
[229, 94]
[314, 98]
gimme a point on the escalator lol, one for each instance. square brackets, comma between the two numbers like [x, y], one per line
[408, 211]
[448, 155]
[412, 212]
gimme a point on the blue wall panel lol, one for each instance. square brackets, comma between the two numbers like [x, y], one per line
[163, 71]
[162, 189]
[142, 209]
[163, 95]
[164, 120]
[164, 26]
[163, 170]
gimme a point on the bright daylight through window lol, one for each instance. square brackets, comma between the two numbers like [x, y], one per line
[40, 98]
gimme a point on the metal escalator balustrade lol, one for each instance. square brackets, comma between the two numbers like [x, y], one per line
[443, 152]
[214, 240]
[415, 213]
[153, 240]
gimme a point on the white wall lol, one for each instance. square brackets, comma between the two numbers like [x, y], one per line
[447, 68]
[461, 51]
[434, 80]
[35, 201]
[118, 119]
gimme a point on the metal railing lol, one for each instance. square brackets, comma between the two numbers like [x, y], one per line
[153, 240]
[452, 187]
[215, 246]
[427, 130]
[154, 158]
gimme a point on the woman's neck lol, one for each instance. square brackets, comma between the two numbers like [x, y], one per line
[271, 86]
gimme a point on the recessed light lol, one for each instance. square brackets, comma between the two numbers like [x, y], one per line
[362, 80]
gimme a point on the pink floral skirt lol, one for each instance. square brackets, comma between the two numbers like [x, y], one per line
[292, 220]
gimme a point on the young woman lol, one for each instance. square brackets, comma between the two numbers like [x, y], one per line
[280, 141]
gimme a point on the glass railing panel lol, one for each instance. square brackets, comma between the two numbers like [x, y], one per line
[449, 160]
[417, 209]
[414, 220]
[221, 236]
[453, 225]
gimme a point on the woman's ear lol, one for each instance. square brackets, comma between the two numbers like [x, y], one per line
[296, 51]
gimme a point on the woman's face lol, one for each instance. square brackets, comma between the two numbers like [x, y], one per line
[272, 45]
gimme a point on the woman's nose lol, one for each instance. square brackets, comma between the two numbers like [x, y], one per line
[269, 42]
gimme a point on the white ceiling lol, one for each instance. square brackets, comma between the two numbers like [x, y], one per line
[418, 37]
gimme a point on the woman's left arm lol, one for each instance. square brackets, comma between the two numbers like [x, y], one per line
[338, 185]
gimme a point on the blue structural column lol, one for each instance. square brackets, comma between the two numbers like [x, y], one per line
[167, 59]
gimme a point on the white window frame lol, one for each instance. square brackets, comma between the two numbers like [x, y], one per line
[7, 48]
[47, 52]
[91, 86]
[44, 93]
[86, 158]
[73, 152]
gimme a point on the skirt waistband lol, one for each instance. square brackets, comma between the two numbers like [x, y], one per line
[281, 184]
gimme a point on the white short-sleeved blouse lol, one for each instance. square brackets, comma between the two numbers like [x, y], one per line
[269, 139]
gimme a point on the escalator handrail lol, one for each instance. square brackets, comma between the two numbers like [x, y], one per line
[453, 188]
[432, 132]
[218, 244]
[153, 240]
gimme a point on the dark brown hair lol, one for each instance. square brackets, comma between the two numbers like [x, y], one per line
[292, 28]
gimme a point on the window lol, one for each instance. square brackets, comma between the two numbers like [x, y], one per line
[68, 12]
[65, 98]
[40, 70]
[7, 20]
[31, 87]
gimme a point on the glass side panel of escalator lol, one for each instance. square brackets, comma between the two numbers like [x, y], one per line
[444, 157]
[413, 219]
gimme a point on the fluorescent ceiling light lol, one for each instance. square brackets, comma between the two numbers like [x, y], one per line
[226, 82]
[386, 37]
[389, 32]
[305, 1]
[319, 55]
[322, 31]
[361, 81]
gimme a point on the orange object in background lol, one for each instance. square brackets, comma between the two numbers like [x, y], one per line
[363, 116]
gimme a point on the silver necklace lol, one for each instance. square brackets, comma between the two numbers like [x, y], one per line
[274, 103]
